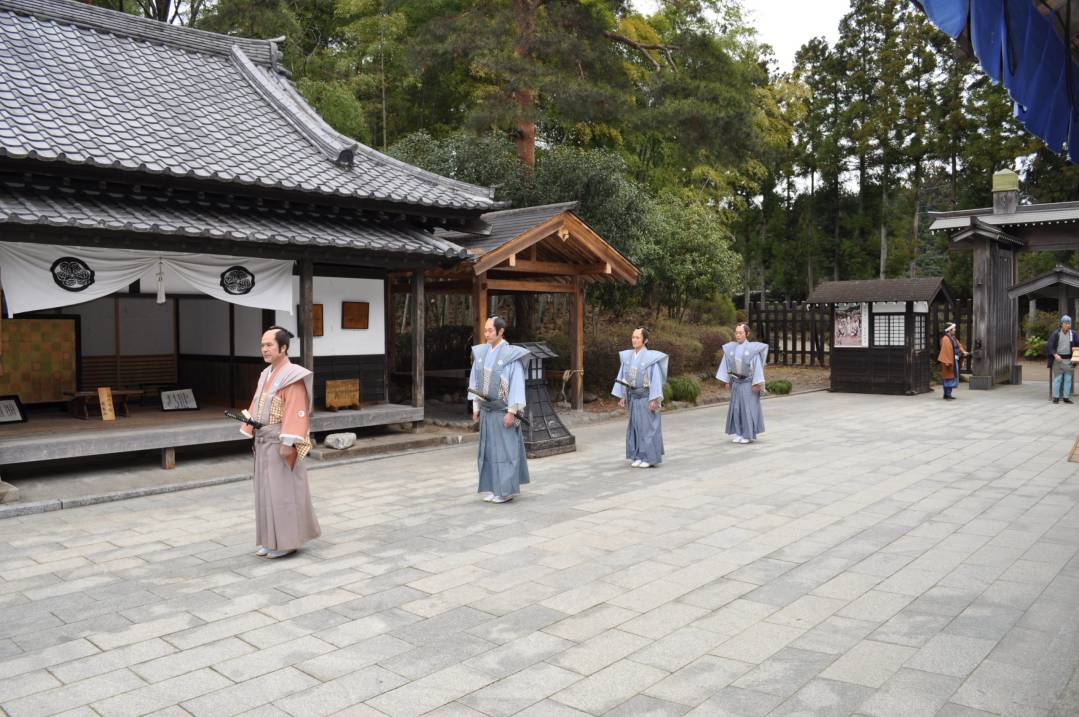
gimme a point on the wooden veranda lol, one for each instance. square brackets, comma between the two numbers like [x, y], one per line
[544, 249]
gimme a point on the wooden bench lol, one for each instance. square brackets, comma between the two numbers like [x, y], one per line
[79, 402]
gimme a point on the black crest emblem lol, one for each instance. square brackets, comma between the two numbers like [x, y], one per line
[71, 274]
[237, 280]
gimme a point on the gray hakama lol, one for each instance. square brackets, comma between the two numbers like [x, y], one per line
[646, 372]
[498, 374]
[284, 516]
[743, 367]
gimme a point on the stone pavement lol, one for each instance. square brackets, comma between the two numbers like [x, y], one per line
[870, 556]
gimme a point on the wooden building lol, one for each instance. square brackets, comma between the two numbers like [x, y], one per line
[541, 249]
[880, 333]
[188, 197]
[996, 235]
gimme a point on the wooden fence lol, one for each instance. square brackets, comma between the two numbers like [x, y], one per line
[799, 334]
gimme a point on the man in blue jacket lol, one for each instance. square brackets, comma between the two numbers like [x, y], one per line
[1059, 354]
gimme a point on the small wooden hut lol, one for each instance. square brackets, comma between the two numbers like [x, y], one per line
[880, 333]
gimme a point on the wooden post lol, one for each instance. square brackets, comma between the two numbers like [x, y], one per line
[908, 348]
[578, 343]
[307, 313]
[168, 458]
[387, 297]
[419, 316]
[479, 307]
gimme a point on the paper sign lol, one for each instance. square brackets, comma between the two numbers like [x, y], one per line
[104, 397]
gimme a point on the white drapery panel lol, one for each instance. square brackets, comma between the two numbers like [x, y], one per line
[46, 276]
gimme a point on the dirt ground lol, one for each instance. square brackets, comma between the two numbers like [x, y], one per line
[803, 378]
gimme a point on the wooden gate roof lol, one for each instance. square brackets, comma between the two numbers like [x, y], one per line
[841, 292]
[547, 243]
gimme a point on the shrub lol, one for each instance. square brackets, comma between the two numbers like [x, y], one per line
[711, 346]
[682, 388]
[1040, 325]
[1034, 347]
[717, 310]
[780, 386]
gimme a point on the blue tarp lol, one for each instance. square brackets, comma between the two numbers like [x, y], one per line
[1018, 45]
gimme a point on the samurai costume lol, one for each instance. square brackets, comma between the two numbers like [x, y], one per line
[950, 351]
[499, 374]
[284, 516]
[743, 368]
[646, 372]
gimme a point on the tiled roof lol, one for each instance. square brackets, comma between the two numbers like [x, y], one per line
[834, 292]
[506, 225]
[89, 86]
[203, 220]
[1029, 214]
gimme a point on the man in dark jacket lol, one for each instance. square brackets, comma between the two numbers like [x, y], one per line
[1059, 358]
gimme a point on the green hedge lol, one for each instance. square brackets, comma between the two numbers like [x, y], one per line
[682, 388]
[780, 386]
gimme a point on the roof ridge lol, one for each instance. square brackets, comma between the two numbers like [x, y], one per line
[567, 206]
[262, 52]
[286, 100]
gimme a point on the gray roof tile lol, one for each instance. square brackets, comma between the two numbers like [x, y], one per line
[89, 86]
[920, 289]
[506, 225]
[152, 216]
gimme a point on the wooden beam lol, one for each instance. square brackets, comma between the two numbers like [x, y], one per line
[540, 287]
[577, 360]
[512, 260]
[307, 313]
[419, 317]
[557, 268]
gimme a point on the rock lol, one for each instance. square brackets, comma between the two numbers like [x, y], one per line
[8, 493]
[590, 397]
[340, 441]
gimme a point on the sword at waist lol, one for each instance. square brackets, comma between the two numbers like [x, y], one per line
[483, 399]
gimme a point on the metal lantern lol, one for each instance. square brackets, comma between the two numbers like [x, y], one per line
[545, 436]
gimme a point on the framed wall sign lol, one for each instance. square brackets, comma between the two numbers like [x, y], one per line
[851, 325]
[11, 410]
[180, 399]
[354, 314]
[316, 321]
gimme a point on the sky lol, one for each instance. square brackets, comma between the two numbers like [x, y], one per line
[786, 24]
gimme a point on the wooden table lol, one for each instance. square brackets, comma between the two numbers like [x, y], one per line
[79, 401]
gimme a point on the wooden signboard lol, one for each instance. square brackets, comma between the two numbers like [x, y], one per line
[343, 394]
[354, 314]
[104, 397]
[316, 320]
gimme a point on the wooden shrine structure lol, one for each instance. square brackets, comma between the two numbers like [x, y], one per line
[880, 333]
[996, 235]
[542, 249]
[126, 134]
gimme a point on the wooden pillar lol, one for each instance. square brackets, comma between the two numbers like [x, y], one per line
[419, 328]
[577, 360]
[908, 348]
[479, 307]
[387, 297]
[981, 368]
[168, 458]
[306, 318]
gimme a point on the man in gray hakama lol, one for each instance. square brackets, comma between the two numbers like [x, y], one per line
[498, 371]
[284, 516]
[742, 370]
[645, 372]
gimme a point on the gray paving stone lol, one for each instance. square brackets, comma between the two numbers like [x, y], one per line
[520, 690]
[338, 663]
[644, 706]
[910, 693]
[248, 695]
[948, 654]
[835, 635]
[911, 628]
[341, 693]
[173, 663]
[869, 663]
[518, 654]
[693, 683]
[736, 702]
[161, 695]
[992, 686]
[824, 698]
[600, 651]
[50, 702]
[785, 672]
[609, 687]
[427, 693]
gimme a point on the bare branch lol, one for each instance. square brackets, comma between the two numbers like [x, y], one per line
[644, 47]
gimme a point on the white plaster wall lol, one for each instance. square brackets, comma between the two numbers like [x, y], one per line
[335, 341]
[899, 307]
[97, 322]
[146, 327]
